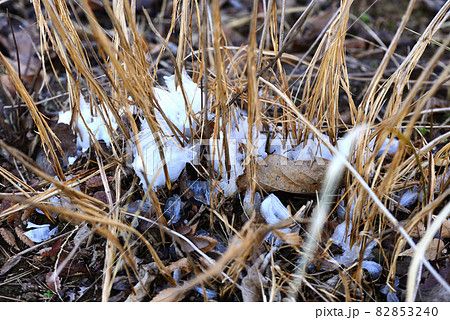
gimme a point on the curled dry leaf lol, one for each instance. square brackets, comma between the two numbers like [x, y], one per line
[22, 237]
[53, 281]
[51, 251]
[432, 253]
[181, 264]
[204, 243]
[147, 273]
[187, 230]
[9, 238]
[278, 173]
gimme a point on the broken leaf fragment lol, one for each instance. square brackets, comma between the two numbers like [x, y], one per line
[432, 253]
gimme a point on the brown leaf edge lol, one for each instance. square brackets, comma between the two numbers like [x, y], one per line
[9, 238]
[22, 237]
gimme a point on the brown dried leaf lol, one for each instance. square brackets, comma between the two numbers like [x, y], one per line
[432, 253]
[66, 138]
[418, 231]
[445, 230]
[432, 291]
[204, 243]
[94, 182]
[187, 230]
[53, 281]
[23, 238]
[9, 238]
[147, 273]
[97, 181]
[23, 42]
[27, 213]
[253, 283]
[101, 195]
[182, 264]
[278, 173]
[51, 251]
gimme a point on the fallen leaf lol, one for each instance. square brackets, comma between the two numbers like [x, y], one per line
[47, 252]
[181, 264]
[5, 205]
[9, 238]
[147, 273]
[187, 230]
[101, 195]
[278, 173]
[67, 139]
[27, 213]
[74, 268]
[442, 181]
[253, 283]
[23, 43]
[418, 231]
[432, 291]
[204, 243]
[445, 230]
[432, 253]
[22, 237]
[53, 282]
[97, 181]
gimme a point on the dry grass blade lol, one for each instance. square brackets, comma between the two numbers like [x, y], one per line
[420, 252]
[48, 139]
[332, 179]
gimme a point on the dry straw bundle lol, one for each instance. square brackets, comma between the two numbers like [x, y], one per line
[187, 163]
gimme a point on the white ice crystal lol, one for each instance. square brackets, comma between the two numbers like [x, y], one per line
[148, 165]
[374, 268]
[237, 139]
[88, 121]
[273, 211]
[408, 198]
[350, 253]
[39, 233]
